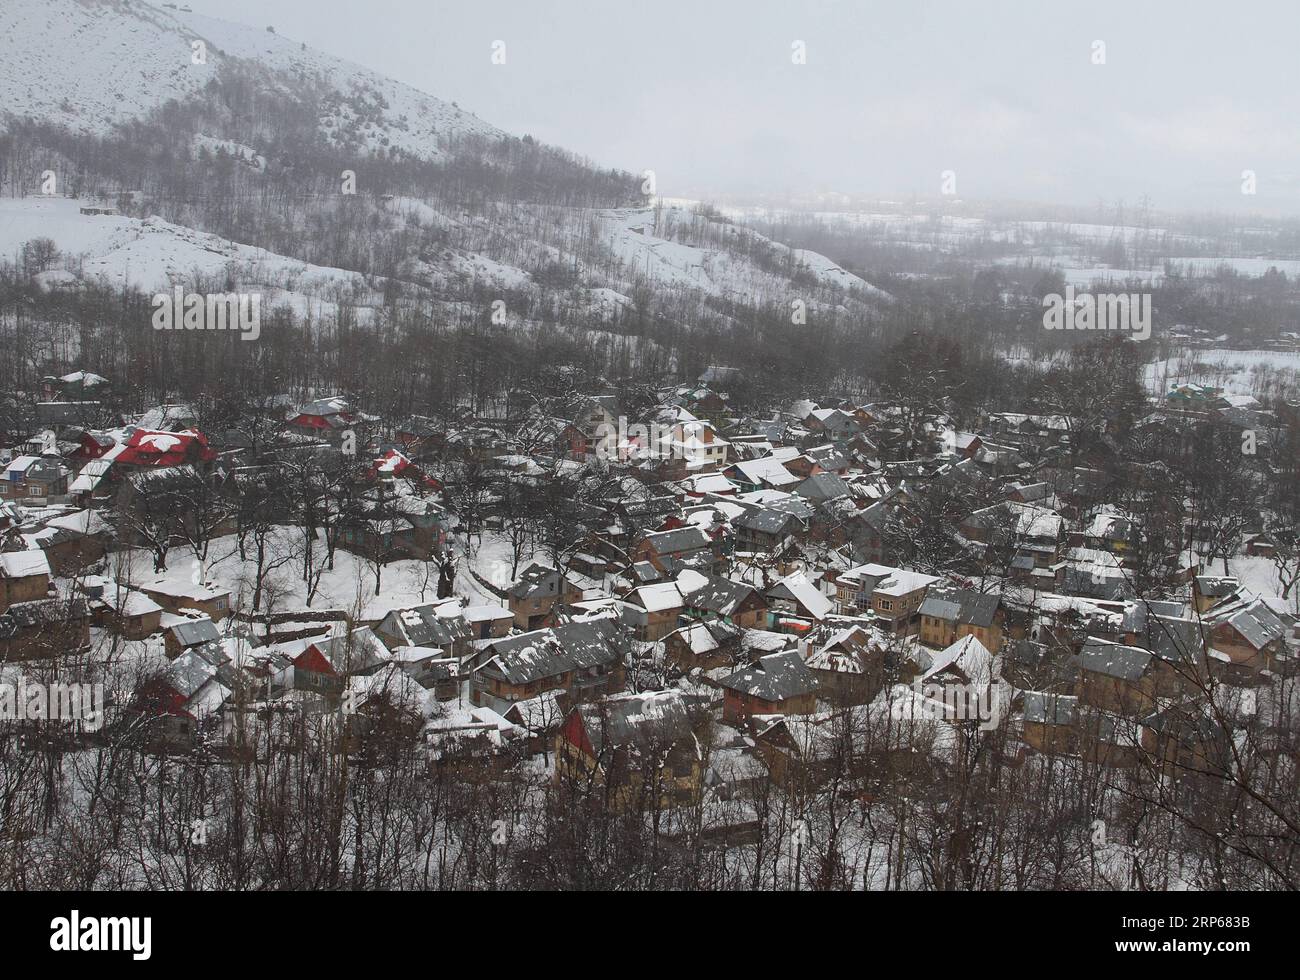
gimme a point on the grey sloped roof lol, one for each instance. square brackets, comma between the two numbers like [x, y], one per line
[548, 652]
[46, 469]
[1050, 709]
[682, 539]
[1104, 583]
[793, 505]
[326, 407]
[661, 717]
[1216, 585]
[213, 652]
[765, 521]
[1250, 617]
[774, 678]
[645, 572]
[964, 606]
[192, 632]
[1186, 722]
[360, 650]
[823, 486]
[423, 626]
[1114, 659]
[719, 595]
[827, 456]
[1174, 638]
[189, 672]
[535, 580]
[941, 607]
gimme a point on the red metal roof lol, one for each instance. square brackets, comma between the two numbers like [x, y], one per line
[146, 447]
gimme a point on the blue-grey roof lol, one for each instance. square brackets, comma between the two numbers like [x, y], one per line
[776, 677]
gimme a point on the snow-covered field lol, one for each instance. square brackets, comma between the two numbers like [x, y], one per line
[1235, 371]
[1188, 266]
[1257, 574]
[350, 585]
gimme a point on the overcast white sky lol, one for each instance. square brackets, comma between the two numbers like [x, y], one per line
[1003, 92]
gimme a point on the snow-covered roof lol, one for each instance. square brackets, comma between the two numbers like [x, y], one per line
[659, 597]
[23, 564]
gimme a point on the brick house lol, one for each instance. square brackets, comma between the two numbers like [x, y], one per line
[704, 645]
[1117, 679]
[1048, 723]
[849, 668]
[893, 595]
[668, 551]
[44, 628]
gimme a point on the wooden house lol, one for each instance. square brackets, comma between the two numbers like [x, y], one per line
[639, 751]
[1048, 722]
[24, 577]
[536, 593]
[779, 683]
[949, 614]
[584, 659]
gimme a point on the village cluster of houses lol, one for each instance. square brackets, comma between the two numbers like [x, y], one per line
[740, 581]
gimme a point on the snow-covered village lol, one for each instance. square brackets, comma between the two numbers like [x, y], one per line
[390, 502]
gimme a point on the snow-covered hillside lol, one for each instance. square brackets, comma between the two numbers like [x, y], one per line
[659, 254]
[89, 66]
[152, 254]
[464, 232]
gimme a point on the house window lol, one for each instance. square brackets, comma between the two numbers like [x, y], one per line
[887, 605]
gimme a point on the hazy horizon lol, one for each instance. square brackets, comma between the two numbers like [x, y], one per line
[1005, 95]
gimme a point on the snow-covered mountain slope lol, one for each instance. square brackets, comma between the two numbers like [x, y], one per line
[92, 65]
[670, 248]
[458, 230]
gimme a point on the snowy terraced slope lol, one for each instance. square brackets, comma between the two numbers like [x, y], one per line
[118, 61]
